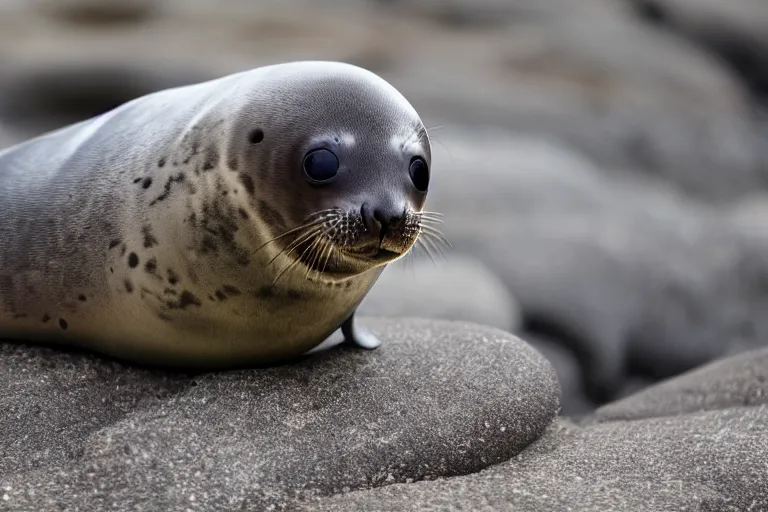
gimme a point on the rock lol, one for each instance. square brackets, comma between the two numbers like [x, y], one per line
[97, 12]
[452, 288]
[575, 402]
[731, 382]
[7, 137]
[34, 100]
[494, 13]
[437, 399]
[632, 276]
[635, 99]
[707, 461]
[734, 30]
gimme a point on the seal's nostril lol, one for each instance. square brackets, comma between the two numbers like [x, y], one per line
[382, 218]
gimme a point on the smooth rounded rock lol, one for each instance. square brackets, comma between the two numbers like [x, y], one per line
[631, 275]
[436, 399]
[730, 382]
[734, 30]
[456, 287]
[708, 461]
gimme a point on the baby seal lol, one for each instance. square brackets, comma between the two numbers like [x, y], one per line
[232, 222]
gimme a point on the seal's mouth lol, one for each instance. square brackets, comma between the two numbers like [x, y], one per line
[338, 262]
[336, 245]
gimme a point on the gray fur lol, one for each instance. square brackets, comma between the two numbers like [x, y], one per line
[141, 233]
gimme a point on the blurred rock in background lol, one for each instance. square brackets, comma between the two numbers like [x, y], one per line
[602, 164]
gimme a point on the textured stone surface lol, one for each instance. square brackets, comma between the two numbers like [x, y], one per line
[437, 399]
[451, 288]
[731, 382]
[708, 461]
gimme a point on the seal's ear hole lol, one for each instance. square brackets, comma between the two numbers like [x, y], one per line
[256, 135]
[419, 173]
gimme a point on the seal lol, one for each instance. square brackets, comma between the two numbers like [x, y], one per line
[237, 221]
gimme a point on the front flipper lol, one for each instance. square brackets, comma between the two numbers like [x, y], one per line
[358, 337]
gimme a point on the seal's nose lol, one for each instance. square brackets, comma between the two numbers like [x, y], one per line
[378, 219]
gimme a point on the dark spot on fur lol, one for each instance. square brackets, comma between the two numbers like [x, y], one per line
[256, 136]
[172, 277]
[114, 243]
[179, 178]
[266, 291]
[137, 180]
[122, 250]
[186, 299]
[63, 324]
[211, 298]
[348, 284]
[161, 162]
[133, 260]
[128, 286]
[220, 295]
[247, 182]
[19, 315]
[170, 291]
[46, 318]
[193, 219]
[208, 244]
[149, 237]
[151, 265]
[81, 298]
[211, 159]
[111, 270]
[243, 213]
[163, 316]
[233, 163]
[231, 290]
[146, 183]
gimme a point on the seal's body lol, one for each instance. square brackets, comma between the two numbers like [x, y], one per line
[237, 221]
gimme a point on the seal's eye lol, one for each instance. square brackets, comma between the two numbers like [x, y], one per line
[419, 173]
[321, 165]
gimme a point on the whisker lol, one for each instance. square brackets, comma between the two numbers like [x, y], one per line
[431, 222]
[329, 244]
[436, 233]
[430, 215]
[423, 246]
[292, 264]
[290, 231]
[314, 255]
[429, 240]
[296, 242]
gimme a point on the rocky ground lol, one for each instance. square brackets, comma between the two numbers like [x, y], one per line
[598, 332]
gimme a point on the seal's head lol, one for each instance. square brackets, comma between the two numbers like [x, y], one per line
[340, 161]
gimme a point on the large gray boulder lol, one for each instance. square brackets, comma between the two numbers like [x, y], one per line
[706, 461]
[737, 381]
[437, 399]
[696, 442]
[734, 30]
[632, 276]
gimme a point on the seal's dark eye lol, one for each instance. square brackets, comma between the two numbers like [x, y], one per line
[321, 165]
[419, 173]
